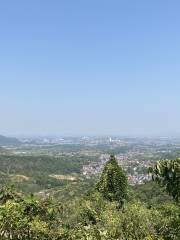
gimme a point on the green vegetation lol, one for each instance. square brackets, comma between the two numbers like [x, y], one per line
[150, 194]
[167, 174]
[113, 182]
[34, 173]
[95, 215]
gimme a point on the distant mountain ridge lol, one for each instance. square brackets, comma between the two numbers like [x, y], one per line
[8, 141]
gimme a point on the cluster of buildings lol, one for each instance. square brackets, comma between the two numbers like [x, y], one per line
[134, 168]
[138, 179]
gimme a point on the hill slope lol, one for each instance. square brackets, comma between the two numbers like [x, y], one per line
[7, 141]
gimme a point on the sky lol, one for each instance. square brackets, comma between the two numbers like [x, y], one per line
[94, 67]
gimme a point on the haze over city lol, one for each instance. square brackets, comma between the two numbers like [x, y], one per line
[90, 67]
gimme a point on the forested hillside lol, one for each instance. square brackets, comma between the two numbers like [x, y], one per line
[108, 209]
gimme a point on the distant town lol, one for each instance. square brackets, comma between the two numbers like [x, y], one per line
[134, 154]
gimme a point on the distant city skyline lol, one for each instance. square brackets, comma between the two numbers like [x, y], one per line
[90, 68]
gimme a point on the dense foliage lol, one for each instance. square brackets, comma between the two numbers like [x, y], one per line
[95, 216]
[113, 182]
[33, 173]
[167, 174]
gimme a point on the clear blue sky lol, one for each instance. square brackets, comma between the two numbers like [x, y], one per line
[90, 67]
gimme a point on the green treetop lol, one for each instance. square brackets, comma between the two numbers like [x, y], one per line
[113, 182]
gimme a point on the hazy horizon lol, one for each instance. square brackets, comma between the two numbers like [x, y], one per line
[90, 68]
[120, 136]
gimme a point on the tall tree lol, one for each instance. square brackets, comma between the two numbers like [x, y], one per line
[113, 182]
